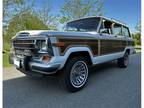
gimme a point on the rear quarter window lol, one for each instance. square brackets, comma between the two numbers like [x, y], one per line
[125, 31]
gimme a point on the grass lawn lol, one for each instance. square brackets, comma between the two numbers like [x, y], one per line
[6, 60]
[6, 48]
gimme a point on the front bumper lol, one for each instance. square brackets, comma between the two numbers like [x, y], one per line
[35, 66]
[44, 68]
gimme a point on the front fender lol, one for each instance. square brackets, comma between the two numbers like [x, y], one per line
[62, 59]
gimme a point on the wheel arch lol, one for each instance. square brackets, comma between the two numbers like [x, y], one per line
[78, 51]
[127, 49]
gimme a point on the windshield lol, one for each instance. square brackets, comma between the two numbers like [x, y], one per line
[83, 25]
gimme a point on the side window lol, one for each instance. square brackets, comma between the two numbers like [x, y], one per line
[126, 32]
[105, 27]
[117, 29]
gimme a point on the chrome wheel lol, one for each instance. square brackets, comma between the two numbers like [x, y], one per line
[79, 74]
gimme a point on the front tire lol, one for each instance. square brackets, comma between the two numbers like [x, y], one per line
[124, 61]
[76, 73]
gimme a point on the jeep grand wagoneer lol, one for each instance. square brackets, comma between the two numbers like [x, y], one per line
[84, 43]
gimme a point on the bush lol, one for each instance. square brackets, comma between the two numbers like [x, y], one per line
[137, 39]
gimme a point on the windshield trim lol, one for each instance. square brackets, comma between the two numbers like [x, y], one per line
[96, 29]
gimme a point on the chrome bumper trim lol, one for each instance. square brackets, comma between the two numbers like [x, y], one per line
[43, 67]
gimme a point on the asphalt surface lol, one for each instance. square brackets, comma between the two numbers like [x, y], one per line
[108, 87]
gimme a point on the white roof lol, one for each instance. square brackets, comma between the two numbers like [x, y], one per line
[109, 19]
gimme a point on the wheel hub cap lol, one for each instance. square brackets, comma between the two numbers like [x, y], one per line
[79, 74]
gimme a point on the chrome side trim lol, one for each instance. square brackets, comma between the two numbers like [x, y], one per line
[107, 57]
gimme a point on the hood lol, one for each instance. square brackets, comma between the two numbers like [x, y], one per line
[33, 33]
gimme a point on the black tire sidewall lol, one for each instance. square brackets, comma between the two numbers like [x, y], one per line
[67, 72]
[127, 58]
[121, 61]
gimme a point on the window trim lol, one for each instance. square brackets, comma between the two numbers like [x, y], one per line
[102, 23]
[128, 31]
[79, 20]
[120, 30]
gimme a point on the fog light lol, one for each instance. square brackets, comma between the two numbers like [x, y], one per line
[46, 58]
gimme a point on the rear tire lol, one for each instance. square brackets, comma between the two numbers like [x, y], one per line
[124, 61]
[75, 74]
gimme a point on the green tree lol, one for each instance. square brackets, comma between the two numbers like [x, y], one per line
[7, 4]
[137, 35]
[9, 7]
[73, 9]
[137, 39]
[24, 21]
[12, 8]
[138, 26]
[47, 17]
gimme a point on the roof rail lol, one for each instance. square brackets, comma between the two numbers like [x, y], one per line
[118, 21]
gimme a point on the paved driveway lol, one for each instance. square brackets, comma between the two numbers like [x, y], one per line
[108, 87]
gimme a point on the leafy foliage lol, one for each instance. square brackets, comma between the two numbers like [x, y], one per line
[137, 36]
[73, 9]
[138, 26]
[7, 4]
[21, 15]
[137, 39]
[47, 17]
[24, 21]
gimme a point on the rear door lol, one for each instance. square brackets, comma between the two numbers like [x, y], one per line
[126, 34]
[120, 41]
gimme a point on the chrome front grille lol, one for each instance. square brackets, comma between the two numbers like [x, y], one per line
[24, 44]
[31, 46]
[21, 52]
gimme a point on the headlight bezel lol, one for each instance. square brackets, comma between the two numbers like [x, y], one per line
[44, 46]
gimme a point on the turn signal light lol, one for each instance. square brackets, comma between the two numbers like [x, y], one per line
[46, 58]
[59, 44]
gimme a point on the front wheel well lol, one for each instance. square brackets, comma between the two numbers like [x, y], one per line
[84, 54]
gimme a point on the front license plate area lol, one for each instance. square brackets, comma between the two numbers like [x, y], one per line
[17, 63]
